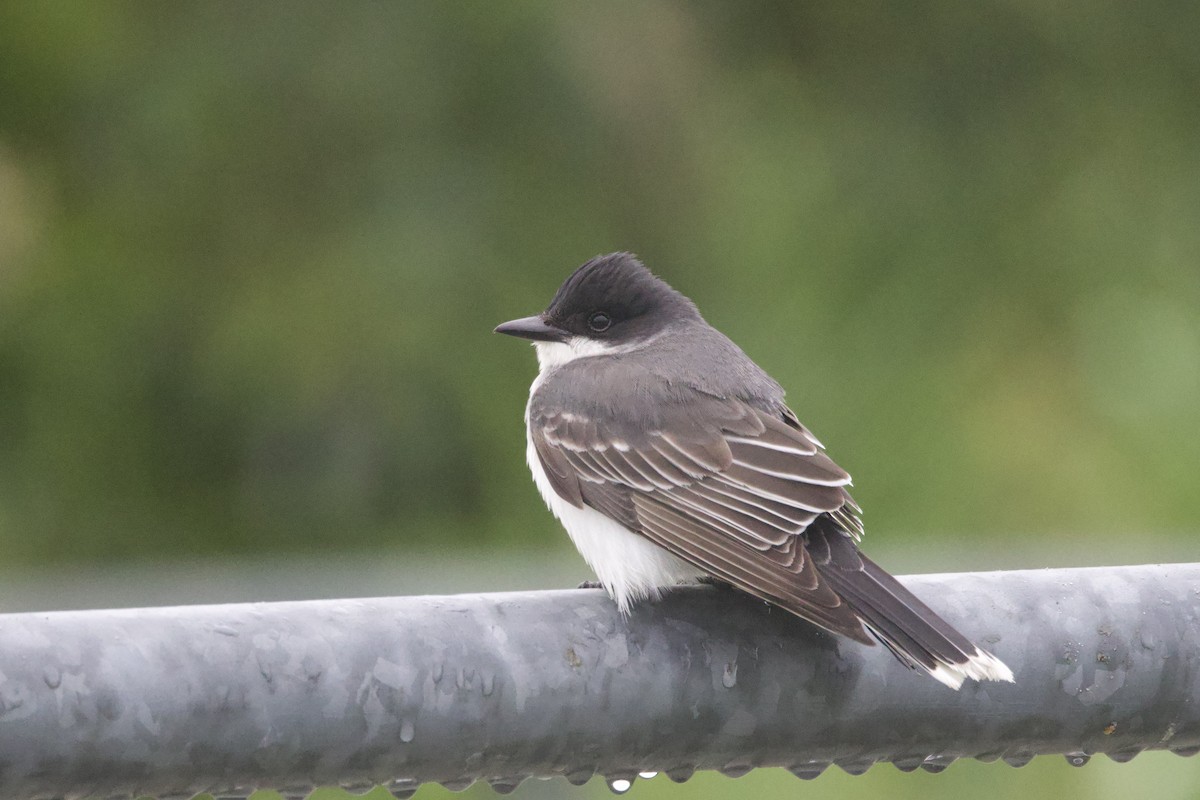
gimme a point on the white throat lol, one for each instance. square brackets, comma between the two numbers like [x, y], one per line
[555, 354]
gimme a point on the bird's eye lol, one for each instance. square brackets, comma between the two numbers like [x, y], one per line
[599, 321]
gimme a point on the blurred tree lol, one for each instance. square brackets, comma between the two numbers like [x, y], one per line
[249, 260]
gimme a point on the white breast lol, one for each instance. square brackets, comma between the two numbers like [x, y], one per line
[631, 567]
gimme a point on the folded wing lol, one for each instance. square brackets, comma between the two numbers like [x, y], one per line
[726, 486]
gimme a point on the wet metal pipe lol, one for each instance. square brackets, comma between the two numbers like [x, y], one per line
[175, 701]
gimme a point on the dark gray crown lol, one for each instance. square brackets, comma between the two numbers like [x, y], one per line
[618, 285]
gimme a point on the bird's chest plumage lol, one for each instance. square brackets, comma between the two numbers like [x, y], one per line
[630, 567]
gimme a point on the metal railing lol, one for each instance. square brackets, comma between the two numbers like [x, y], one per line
[175, 701]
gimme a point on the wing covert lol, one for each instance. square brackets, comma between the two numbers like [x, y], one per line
[757, 478]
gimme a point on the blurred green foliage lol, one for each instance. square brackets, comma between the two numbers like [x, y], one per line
[250, 256]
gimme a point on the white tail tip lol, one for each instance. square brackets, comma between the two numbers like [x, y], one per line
[982, 666]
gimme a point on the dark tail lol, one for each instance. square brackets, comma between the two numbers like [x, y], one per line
[914, 633]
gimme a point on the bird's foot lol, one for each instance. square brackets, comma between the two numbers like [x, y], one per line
[590, 585]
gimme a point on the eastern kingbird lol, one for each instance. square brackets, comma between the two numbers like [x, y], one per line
[668, 455]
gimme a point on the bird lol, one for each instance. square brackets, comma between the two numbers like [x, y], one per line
[670, 457]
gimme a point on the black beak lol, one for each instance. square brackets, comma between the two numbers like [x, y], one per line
[534, 328]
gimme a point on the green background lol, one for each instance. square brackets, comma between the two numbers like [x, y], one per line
[251, 255]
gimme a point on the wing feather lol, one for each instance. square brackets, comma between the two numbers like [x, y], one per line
[664, 467]
[790, 465]
[727, 486]
[801, 494]
[781, 515]
[618, 463]
[589, 467]
[799, 590]
[742, 527]
[558, 468]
